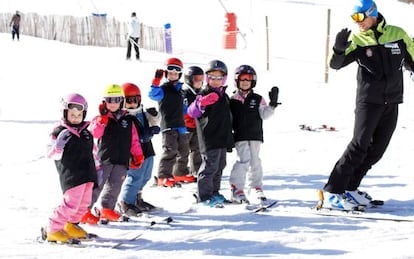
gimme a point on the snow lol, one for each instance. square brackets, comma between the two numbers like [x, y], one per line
[36, 73]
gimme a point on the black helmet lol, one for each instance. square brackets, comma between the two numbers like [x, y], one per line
[216, 65]
[245, 69]
[190, 73]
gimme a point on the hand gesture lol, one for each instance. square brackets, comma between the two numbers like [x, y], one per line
[209, 99]
[273, 96]
[159, 73]
[341, 41]
[63, 138]
[152, 111]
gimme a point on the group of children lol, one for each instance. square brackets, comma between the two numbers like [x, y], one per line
[199, 125]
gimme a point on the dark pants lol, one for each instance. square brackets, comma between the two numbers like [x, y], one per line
[132, 41]
[174, 158]
[209, 175]
[195, 156]
[373, 129]
[15, 32]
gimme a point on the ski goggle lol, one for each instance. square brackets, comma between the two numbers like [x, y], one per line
[211, 77]
[117, 99]
[77, 106]
[245, 77]
[133, 99]
[360, 17]
[173, 68]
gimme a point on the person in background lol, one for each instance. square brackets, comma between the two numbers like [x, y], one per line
[131, 202]
[193, 79]
[174, 159]
[118, 148]
[71, 147]
[15, 25]
[133, 36]
[380, 50]
[212, 110]
[248, 110]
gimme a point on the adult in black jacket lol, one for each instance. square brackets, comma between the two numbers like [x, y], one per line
[381, 51]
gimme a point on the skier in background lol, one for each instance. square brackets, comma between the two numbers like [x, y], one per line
[15, 25]
[133, 36]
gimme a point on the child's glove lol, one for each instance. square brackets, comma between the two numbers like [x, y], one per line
[273, 95]
[209, 99]
[103, 111]
[157, 77]
[152, 111]
[136, 161]
[154, 130]
[63, 138]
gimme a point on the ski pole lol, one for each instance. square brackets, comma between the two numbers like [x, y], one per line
[152, 223]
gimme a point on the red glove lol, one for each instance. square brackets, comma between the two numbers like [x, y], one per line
[209, 99]
[157, 77]
[103, 111]
[136, 161]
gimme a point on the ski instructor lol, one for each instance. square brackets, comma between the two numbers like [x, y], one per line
[381, 51]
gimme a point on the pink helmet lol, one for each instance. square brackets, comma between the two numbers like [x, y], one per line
[75, 101]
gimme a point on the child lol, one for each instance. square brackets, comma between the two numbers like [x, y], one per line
[174, 160]
[71, 147]
[193, 79]
[248, 110]
[118, 142]
[131, 201]
[212, 110]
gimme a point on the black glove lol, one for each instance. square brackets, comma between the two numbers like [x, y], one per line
[273, 95]
[341, 41]
[102, 108]
[152, 111]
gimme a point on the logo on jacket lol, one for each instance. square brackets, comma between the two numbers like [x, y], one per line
[369, 52]
[124, 124]
[395, 49]
[252, 103]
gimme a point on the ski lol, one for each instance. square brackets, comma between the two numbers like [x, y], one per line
[323, 127]
[264, 207]
[168, 220]
[367, 215]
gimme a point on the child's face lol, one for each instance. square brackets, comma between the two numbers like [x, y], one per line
[132, 102]
[215, 79]
[75, 116]
[113, 103]
[245, 82]
[198, 81]
[173, 75]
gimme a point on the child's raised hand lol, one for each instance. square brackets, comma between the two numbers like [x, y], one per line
[63, 138]
[159, 73]
[209, 99]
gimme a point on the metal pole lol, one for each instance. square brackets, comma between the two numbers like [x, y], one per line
[267, 43]
[328, 27]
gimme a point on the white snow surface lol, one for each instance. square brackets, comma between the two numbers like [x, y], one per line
[36, 73]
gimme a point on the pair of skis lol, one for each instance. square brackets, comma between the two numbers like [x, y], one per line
[79, 243]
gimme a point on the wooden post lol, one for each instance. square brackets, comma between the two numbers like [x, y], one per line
[267, 44]
[328, 27]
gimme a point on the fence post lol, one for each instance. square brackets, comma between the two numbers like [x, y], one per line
[168, 36]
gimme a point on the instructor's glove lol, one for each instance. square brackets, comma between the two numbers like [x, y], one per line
[273, 96]
[209, 99]
[63, 138]
[341, 41]
[157, 77]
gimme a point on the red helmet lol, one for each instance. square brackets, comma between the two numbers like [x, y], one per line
[175, 62]
[130, 89]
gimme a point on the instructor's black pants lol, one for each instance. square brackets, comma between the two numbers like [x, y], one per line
[373, 129]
